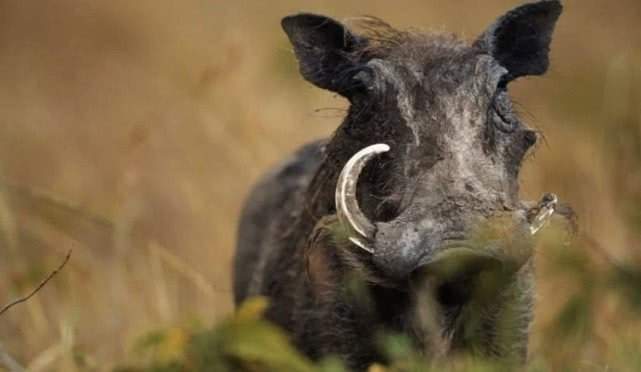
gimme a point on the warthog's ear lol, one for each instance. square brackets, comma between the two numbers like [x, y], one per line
[520, 40]
[322, 46]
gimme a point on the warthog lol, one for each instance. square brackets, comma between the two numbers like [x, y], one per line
[407, 219]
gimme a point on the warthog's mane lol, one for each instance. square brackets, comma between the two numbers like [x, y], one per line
[384, 40]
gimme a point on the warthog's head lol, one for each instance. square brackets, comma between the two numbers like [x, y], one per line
[434, 145]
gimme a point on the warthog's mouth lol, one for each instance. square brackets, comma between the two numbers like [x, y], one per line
[457, 269]
[460, 272]
[496, 245]
[457, 259]
[478, 266]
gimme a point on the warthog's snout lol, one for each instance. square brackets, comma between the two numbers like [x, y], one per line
[450, 238]
[400, 249]
[506, 238]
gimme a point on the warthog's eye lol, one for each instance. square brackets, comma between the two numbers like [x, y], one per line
[364, 80]
[530, 137]
[502, 113]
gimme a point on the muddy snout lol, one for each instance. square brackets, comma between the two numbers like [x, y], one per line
[399, 247]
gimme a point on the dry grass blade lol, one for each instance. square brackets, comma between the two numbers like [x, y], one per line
[20, 300]
[181, 267]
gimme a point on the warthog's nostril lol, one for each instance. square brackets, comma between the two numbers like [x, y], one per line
[398, 248]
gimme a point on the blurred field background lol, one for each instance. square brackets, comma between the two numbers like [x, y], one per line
[130, 132]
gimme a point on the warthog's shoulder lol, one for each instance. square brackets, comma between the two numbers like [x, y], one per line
[273, 198]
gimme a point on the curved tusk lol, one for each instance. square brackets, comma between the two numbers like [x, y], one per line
[347, 209]
[542, 212]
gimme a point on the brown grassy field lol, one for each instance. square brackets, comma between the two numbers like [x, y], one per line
[130, 132]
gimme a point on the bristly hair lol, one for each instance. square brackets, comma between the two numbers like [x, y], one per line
[383, 39]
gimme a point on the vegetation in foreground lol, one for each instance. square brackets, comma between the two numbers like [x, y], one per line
[246, 342]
